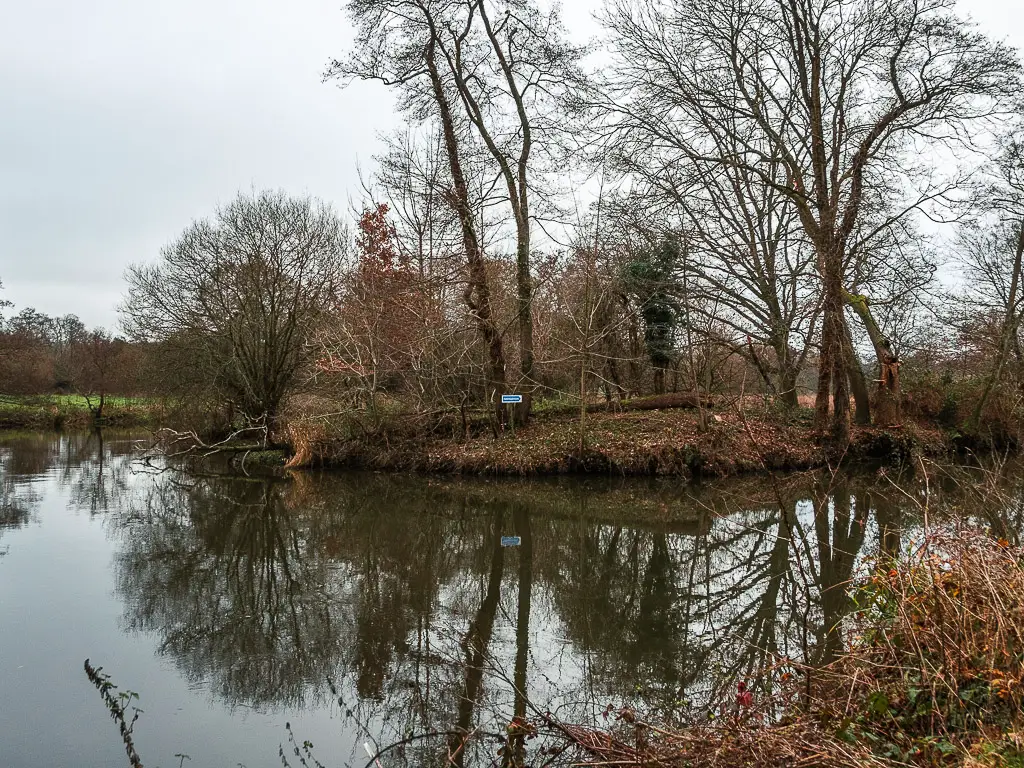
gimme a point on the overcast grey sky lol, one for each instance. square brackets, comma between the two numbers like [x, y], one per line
[122, 120]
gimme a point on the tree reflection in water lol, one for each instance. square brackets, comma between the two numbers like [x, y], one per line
[231, 579]
[16, 500]
[95, 470]
[398, 590]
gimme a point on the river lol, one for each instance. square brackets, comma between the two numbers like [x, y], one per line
[352, 609]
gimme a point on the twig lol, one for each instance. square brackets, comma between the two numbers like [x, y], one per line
[117, 709]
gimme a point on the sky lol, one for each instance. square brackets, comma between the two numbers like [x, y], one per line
[121, 121]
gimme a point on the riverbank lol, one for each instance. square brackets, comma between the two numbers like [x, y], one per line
[55, 412]
[640, 440]
[667, 441]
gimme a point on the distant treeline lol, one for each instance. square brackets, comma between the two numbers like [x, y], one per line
[40, 354]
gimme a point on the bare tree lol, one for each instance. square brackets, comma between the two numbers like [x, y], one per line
[512, 71]
[842, 94]
[412, 178]
[102, 366]
[401, 45]
[993, 261]
[64, 334]
[745, 255]
[232, 301]
[509, 71]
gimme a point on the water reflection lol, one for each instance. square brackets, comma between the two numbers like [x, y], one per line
[231, 580]
[26, 458]
[18, 498]
[97, 470]
[15, 502]
[397, 591]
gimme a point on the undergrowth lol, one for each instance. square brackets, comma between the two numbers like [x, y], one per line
[933, 676]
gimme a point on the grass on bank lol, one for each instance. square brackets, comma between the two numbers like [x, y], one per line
[73, 411]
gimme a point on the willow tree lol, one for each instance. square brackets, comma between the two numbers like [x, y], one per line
[232, 302]
[843, 95]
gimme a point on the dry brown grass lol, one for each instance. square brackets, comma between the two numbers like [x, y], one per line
[718, 744]
[933, 676]
[936, 650]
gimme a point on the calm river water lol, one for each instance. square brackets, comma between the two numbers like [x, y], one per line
[360, 608]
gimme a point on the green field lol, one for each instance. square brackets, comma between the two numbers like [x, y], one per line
[60, 411]
[70, 401]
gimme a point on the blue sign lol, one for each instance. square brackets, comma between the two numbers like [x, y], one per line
[511, 541]
[511, 398]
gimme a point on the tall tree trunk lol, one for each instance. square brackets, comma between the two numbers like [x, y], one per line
[840, 427]
[524, 304]
[787, 386]
[477, 295]
[858, 383]
[823, 396]
[518, 195]
[888, 409]
[1009, 332]
[834, 369]
[788, 371]
[762, 369]
[783, 384]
